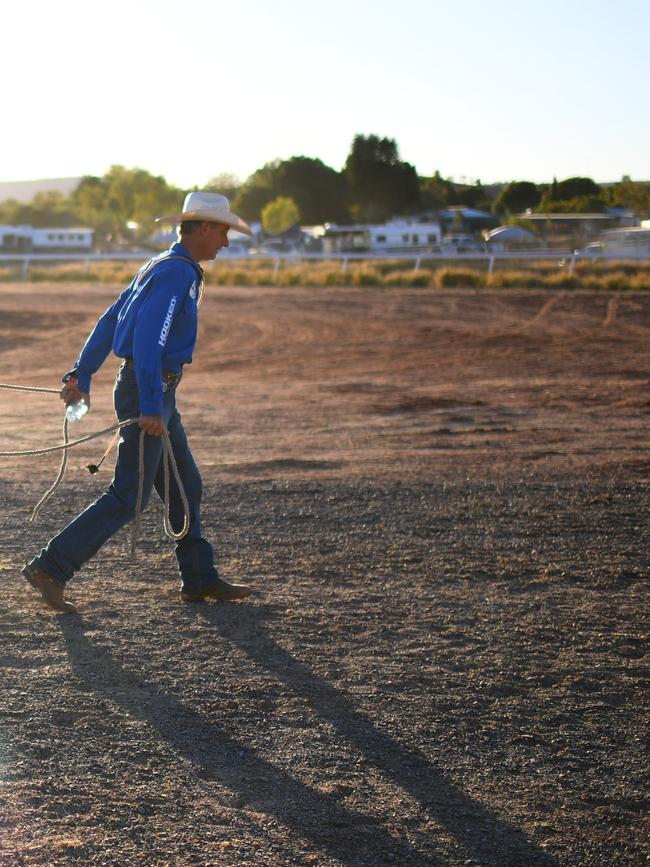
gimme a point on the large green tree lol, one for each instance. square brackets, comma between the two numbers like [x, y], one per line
[92, 204]
[474, 196]
[437, 192]
[225, 183]
[137, 197]
[381, 185]
[318, 190]
[516, 197]
[632, 195]
[45, 209]
[280, 214]
[573, 188]
[257, 191]
[125, 202]
[573, 196]
[578, 205]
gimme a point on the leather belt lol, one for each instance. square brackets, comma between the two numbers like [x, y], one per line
[167, 375]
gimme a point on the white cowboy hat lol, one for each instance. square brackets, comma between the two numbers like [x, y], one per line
[212, 207]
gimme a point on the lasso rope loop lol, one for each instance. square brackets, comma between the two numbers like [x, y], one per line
[168, 458]
[138, 503]
[67, 445]
[30, 388]
[64, 462]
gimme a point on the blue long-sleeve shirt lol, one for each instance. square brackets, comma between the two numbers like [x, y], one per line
[154, 322]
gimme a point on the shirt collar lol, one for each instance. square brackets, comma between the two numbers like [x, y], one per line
[179, 249]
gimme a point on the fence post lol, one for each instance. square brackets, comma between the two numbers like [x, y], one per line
[276, 267]
[417, 264]
[26, 268]
[490, 268]
[345, 265]
[572, 263]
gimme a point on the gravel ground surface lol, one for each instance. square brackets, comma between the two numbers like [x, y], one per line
[441, 501]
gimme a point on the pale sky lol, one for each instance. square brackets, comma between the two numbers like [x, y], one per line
[495, 90]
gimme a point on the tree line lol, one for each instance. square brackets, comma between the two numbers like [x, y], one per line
[374, 185]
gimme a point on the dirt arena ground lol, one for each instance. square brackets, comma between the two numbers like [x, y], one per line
[441, 499]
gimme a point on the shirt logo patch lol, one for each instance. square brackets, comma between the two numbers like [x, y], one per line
[193, 290]
[162, 340]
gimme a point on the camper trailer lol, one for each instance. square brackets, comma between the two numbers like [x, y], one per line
[631, 242]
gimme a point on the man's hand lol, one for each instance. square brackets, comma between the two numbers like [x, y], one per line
[154, 425]
[71, 394]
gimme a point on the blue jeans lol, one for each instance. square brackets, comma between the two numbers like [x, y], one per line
[66, 553]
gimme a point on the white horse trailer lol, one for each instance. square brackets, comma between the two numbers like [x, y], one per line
[633, 241]
[62, 240]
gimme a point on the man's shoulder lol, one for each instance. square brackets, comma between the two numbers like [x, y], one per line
[172, 266]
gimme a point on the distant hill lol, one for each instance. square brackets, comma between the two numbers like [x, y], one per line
[24, 191]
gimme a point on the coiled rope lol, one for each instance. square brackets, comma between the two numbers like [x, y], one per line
[67, 444]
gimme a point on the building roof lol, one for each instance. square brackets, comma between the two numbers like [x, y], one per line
[29, 230]
[60, 229]
[468, 213]
[510, 233]
[334, 227]
[558, 217]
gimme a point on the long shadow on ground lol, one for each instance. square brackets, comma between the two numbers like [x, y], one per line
[346, 834]
[489, 839]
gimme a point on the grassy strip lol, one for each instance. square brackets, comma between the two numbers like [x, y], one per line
[609, 276]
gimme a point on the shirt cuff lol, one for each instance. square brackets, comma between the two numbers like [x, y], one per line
[83, 381]
[151, 407]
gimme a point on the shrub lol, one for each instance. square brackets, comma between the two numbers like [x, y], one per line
[68, 274]
[640, 281]
[322, 277]
[389, 266]
[515, 280]
[614, 282]
[228, 277]
[334, 277]
[265, 277]
[416, 279]
[561, 281]
[508, 274]
[8, 275]
[366, 277]
[461, 278]
[393, 278]
[412, 278]
[289, 276]
[593, 283]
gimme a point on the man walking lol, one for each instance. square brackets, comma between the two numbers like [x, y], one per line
[152, 327]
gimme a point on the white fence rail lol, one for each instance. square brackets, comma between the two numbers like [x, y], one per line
[565, 258]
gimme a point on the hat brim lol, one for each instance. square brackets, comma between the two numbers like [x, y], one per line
[225, 217]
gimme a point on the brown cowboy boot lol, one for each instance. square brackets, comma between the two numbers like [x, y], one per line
[51, 592]
[220, 590]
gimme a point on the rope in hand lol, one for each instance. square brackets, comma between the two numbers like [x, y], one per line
[168, 458]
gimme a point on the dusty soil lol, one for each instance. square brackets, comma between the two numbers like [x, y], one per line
[441, 500]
